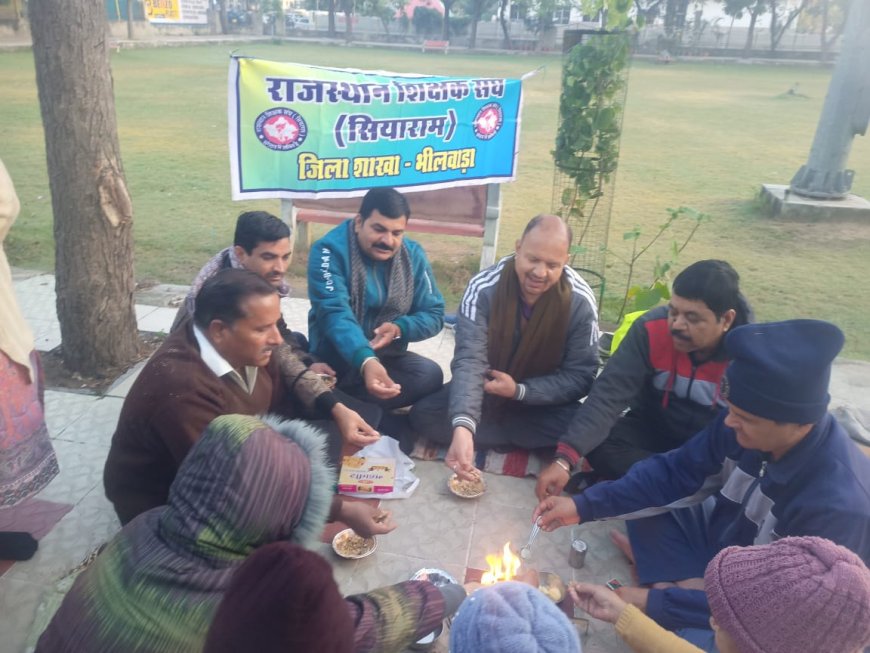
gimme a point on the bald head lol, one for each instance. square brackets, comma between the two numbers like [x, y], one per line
[541, 254]
[552, 226]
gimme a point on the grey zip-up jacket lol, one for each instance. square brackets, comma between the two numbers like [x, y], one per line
[569, 382]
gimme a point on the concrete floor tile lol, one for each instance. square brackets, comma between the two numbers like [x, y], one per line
[87, 526]
[430, 529]
[63, 408]
[121, 386]
[18, 602]
[81, 471]
[509, 491]
[143, 310]
[97, 425]
[159, 320]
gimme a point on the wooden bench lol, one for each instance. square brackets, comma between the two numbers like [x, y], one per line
[461, 211]
[441, 46]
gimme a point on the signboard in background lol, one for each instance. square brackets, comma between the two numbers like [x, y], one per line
[306, 131]
[176, 12]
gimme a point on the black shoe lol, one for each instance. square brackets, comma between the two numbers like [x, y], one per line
[17, 546]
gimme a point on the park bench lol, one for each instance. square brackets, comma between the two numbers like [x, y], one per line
[441, 46]
[461, 211]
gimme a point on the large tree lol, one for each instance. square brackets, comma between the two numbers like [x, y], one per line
[781, 18]
[828, 19]
[93, 214]
[754, 8]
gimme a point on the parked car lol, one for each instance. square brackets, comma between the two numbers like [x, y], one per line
[297, 21]
[238, 17]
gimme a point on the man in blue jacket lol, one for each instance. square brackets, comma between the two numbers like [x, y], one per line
[372, 292]
[773, 464]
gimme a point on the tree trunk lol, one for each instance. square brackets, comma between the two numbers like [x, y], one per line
[773, 25]
[348, 27]
[753, 16]
[825, 44]
[93, 213]
[475, 18]
[778, 31]
[445, 26]
[502, 6]
[222, 15]
[331, 14]
[130, 19]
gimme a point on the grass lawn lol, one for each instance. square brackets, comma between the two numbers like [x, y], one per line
[699, 135]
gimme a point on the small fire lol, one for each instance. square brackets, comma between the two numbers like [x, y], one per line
[501, 567]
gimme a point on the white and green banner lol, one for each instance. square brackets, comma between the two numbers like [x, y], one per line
[306, 131]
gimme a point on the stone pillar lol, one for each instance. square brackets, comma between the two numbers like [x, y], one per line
[846, 112]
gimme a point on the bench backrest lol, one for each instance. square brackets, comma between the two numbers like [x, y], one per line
[461, 211]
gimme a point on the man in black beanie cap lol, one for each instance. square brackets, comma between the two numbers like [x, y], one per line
[775, 463]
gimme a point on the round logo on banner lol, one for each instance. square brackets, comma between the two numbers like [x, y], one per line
[488, 121]
[281, 129]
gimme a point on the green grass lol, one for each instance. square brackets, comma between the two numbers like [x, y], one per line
[700, 135]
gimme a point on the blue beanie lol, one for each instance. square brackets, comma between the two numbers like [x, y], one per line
[511, 618]
[780, 370]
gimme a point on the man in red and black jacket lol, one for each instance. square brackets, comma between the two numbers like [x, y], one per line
[666, 372]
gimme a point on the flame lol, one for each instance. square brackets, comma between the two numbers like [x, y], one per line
[503, 567]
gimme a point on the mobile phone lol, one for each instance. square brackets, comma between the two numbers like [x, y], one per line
[613, 584]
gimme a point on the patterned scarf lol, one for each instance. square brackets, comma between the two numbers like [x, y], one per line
[400, 285]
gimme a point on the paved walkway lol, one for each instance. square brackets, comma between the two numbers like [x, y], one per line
[435, 528]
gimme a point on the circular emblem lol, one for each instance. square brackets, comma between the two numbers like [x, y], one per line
[281, 129]
[488, 121]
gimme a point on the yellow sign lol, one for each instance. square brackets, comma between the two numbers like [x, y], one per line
[162, 10]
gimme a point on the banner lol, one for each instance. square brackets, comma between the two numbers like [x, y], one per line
[178, 12]
[306, 131]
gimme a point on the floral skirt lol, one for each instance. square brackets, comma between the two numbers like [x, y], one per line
[27, 460]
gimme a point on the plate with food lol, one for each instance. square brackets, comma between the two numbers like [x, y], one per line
[351, 546]
[551, 585]
[466, 489]
[437, 577]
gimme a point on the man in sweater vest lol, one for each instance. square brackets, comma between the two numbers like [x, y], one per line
[219, 362]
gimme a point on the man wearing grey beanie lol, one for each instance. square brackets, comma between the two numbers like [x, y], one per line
[773, 464]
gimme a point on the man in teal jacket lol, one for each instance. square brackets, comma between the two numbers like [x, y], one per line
[372, 292]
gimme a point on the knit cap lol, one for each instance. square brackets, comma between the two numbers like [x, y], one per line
[511, 617]
[796, 594]
[781, 370]
[283, 598]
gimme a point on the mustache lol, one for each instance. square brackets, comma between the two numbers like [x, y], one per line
[383, 248]
[679, 335]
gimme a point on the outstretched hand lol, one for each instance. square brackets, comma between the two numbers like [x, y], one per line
[460, 455]
[384, 335]
[597, 600]
[354, 429]
[551, 481]
[554, 512]
[365, 519]
[378, 382]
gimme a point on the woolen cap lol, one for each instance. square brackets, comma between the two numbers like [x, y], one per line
[511, 617]
[781, 370]
[797, 594]
[282, 599]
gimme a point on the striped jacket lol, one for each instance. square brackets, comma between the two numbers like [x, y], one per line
[820, 487]
[675, 396]
[569, 382]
